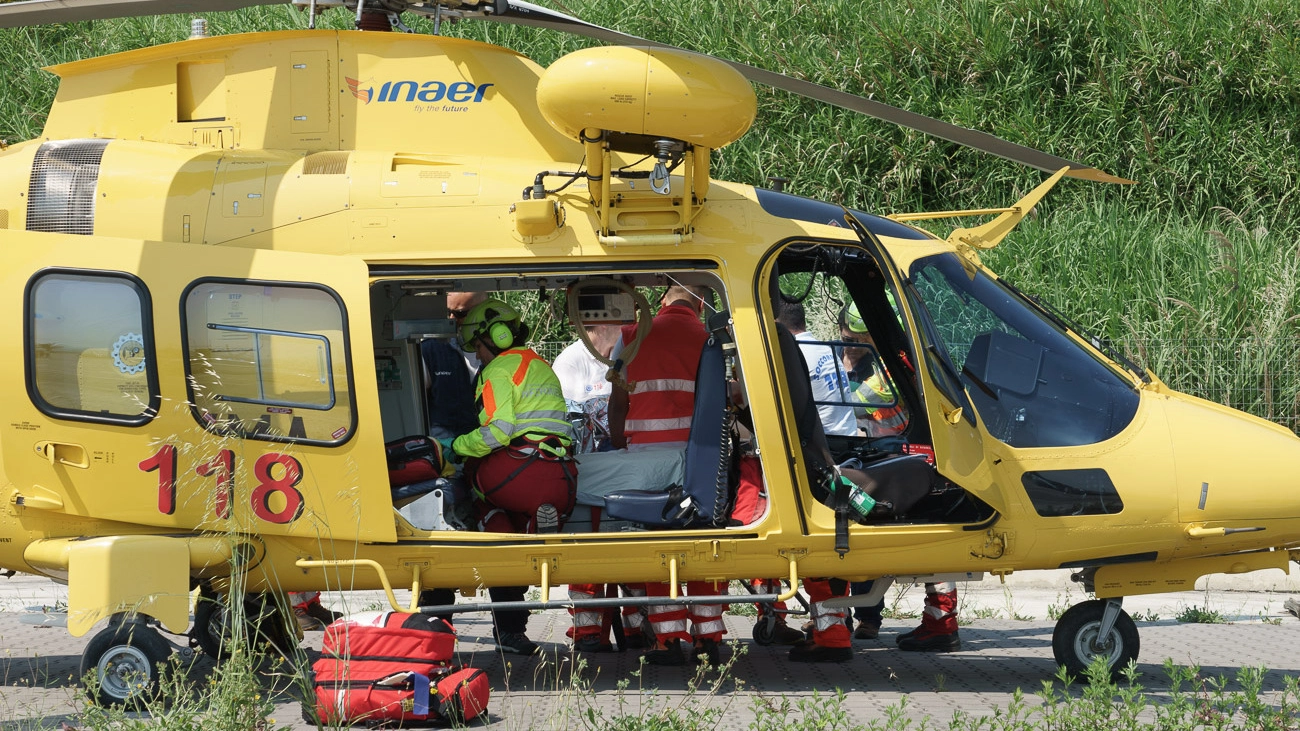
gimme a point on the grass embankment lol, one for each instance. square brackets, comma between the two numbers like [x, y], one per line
[1192, 269]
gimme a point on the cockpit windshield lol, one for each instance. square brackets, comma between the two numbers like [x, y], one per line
[1032, 385]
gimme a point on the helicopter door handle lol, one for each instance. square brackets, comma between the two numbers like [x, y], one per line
[71, 455]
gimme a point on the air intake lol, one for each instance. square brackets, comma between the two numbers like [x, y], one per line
[326, 163]
[61, 198]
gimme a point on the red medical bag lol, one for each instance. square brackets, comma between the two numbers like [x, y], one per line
[392, 666]
[415, 459]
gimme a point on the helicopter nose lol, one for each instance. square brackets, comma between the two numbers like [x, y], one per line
[1234, 470]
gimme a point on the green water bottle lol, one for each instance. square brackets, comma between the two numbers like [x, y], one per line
[861, 501]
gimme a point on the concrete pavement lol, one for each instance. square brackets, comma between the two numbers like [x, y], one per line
[1006, 637]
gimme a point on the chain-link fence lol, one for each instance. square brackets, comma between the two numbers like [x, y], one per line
[1260, 376]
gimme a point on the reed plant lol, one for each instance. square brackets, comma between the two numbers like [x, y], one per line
[1192, 269]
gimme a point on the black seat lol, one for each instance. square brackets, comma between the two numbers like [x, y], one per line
[704, 497]
[896, 482]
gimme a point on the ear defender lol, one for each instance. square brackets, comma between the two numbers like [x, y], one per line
[501, 335]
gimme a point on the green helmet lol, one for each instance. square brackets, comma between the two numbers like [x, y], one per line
[496, 322]
[852, 320]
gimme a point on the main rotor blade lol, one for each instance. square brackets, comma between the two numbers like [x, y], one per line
[518, 12]
[41, 12]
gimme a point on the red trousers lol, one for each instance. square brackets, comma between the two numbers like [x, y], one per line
[829, 629]
[591, 622]
[513, 485]
[669, 621]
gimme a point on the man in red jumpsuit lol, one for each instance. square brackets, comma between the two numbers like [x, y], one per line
[657, 415]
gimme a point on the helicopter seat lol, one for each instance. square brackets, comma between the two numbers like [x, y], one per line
[703, 496]
[897, 482]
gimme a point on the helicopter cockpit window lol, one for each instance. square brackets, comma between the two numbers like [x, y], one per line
[845, 349]
[268, 361]
[1032, 385]
[90, 347]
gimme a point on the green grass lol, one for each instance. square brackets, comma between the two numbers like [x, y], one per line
[1193, 270]
[1197, 615]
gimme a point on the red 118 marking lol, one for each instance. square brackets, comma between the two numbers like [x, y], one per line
[222, 467]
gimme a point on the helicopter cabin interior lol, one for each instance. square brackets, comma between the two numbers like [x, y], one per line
[865, 413]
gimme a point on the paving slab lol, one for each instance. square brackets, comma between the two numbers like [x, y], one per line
[39, 665]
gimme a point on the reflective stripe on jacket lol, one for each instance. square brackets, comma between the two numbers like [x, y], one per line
[518, 395]
[660, 408]
[883, 413]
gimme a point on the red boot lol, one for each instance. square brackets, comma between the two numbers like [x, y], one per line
[831, 641]
[938, 630]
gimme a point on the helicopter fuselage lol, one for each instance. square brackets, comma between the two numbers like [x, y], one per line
[312, 196]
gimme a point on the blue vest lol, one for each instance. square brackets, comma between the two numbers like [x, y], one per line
[451, 388]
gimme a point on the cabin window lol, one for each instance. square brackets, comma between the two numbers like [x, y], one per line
[1057, 493]
[269, 361]
[90, 347]
[1032, 384]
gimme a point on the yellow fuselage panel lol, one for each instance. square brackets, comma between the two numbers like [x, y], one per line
[309, 90]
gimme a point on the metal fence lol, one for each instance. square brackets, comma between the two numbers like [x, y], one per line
[1260, 376]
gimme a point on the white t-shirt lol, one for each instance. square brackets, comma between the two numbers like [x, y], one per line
[582, 377]
[828, 384]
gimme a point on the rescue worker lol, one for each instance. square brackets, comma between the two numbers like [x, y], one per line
[657, 415]
[518, 460]
[938, 630]
[831, 641]
[824, 373]
[876, 418]
[881, 413]
[449, 375]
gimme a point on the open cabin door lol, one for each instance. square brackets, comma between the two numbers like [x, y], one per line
[958, 444]
[192, 387]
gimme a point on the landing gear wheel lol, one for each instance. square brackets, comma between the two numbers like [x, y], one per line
[1076, 641]
[765, 630]
[125, 658]
[263, 622]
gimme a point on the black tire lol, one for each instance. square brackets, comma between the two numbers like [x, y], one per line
[1075, 642]
[266, 624]
[765, 630]
[126, 659]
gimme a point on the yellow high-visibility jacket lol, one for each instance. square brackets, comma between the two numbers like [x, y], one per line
[517, 395]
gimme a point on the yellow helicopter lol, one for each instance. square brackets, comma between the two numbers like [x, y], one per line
[214, 240]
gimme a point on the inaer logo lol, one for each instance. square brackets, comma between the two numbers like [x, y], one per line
[456, 92]
[363, 94]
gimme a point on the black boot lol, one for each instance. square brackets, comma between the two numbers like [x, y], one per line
[923, 641]
[813, 652]
[708, 650]
[671, 655]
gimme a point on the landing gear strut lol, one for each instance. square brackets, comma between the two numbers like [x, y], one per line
[264, 620]
[1097, 628]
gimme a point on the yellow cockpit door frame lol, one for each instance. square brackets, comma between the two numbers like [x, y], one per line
[266, 413]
